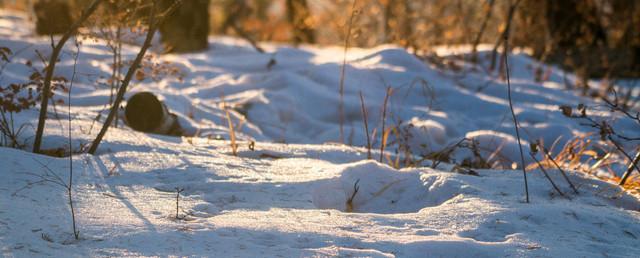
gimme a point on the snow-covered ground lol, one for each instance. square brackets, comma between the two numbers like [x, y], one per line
[289, 196]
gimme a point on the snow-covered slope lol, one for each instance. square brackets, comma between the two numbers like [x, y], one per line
[294, 206]
[291, 199]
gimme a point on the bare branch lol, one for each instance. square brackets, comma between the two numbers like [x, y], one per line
[46, 90]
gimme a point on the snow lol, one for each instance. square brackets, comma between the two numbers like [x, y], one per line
[289, 197]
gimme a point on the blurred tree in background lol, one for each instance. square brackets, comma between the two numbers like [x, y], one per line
[300, 19]
[186, 29]
[46, 22]
[593, 38]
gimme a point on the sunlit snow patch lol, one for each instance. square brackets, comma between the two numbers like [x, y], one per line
[382, 189]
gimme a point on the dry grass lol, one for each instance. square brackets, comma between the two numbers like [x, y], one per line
[366, 125]
[582, 154]
[343, 68]
[384, 132]
[576, 154]
[232, 133]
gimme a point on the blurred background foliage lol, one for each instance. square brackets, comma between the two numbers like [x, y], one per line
[594, 38]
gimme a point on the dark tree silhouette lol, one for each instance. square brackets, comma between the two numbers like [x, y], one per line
[52, 17]
[46, 89]
[186, 29]
[299, 16]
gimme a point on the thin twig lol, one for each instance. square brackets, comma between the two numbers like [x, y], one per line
[513, 113]
[633, 164]
[607, 132]
[76, 233]
[47, 178]
[29, 184]
[178, 191]
[546, 152]
[353, 195]
[448, 150]
[633, 161]
[544, 171]
[153, 25]
[243, 34]
[615, 106]
[46, 89]
[383, 134]
[53, 174]
[343, 70]
[366, 125]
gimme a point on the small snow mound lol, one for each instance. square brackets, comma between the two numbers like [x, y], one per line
[504, 145]
[429, 133]
[549, 132]
[382, 189]
[338, 251]
[396, 57]
[204, 210]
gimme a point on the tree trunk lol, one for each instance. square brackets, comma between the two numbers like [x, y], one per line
[52, 17]
[299, 17]
[125, 83]
[187, 28]
[578, 39]
[46, 88]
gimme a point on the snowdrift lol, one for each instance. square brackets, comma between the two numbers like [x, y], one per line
[293, 194]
